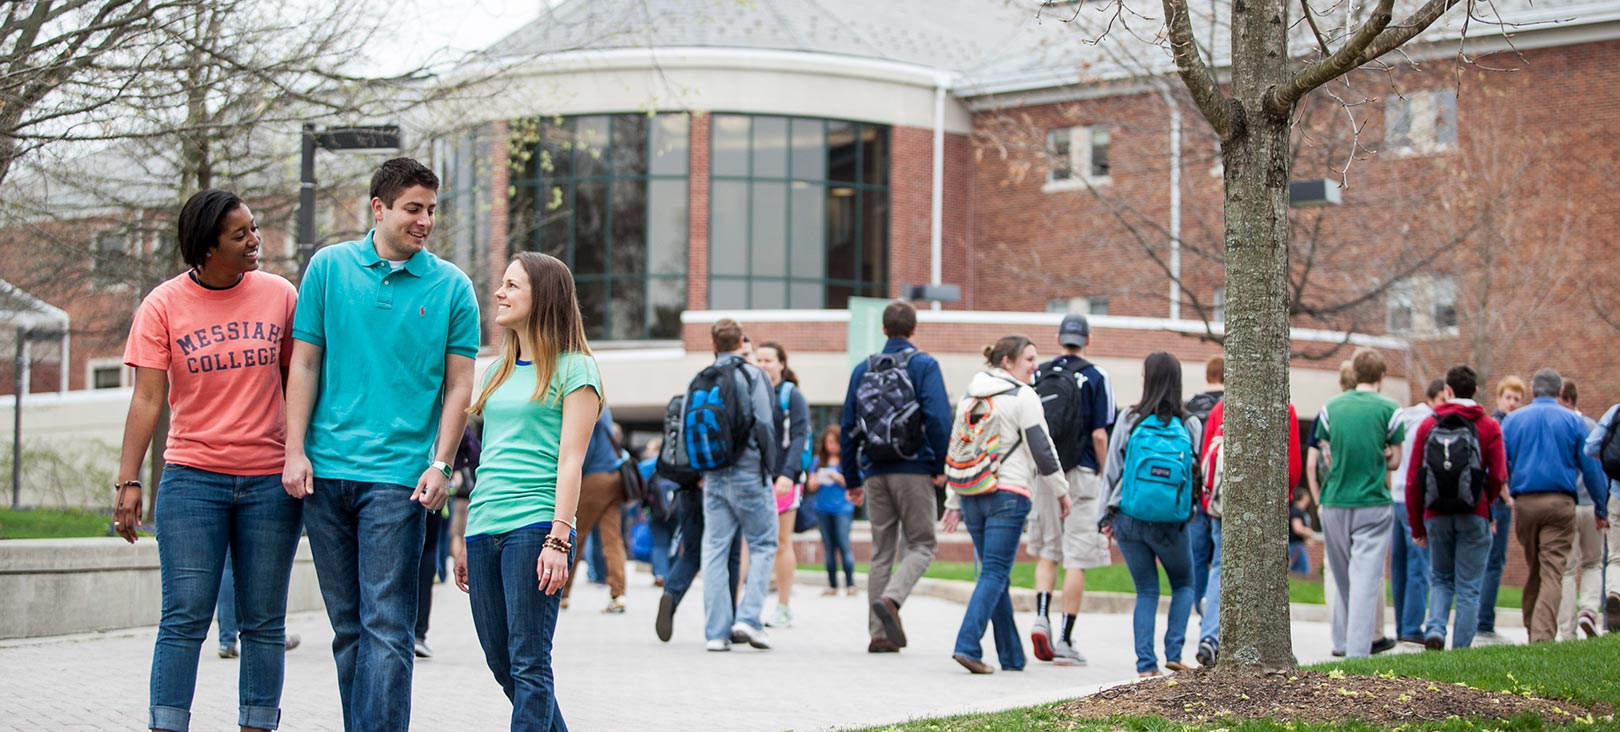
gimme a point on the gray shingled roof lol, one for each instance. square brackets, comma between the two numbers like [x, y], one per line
[983, 41]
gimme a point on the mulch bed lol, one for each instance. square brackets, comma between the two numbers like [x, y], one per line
[1203, 695]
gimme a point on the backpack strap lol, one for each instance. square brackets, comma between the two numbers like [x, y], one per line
[785, 395]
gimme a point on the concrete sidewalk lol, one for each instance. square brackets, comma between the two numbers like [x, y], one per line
[612, 672]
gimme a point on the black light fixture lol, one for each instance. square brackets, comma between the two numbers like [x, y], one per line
[934, 293]
[1314, 192]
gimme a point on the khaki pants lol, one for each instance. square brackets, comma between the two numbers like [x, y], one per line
[901, 508]
[600, 499]
[1586, 563]
[1545, 526]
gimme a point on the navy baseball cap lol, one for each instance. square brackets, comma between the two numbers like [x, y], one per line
[1074, 331]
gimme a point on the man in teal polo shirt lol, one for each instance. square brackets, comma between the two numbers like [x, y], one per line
[382, 372]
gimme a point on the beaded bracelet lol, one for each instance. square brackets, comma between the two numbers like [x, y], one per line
[553, 542]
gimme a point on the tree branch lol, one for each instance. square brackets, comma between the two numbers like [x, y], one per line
[1340, 62]
[1200, 81]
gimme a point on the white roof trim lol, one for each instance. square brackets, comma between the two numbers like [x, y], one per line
[672, 57]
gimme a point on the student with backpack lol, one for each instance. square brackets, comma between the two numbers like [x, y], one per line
[1203, 545]
[1409, 561]
[1603, 443]
[1078, 401]
[1212, 466]
[1000, 455]
[896, 422]
[1456, 472]
[1152, 466]
[673, 466]
[730, 439]
[791, 417]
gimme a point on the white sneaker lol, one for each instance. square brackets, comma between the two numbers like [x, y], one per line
[423, 650]
[717, 645]
[782, 618]
[1065, 654]
[743, 632]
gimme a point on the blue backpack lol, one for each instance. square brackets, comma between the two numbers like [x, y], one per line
[718, 420]
[785, 401]
[1157, 483]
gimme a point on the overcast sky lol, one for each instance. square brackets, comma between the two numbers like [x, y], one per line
[424, 26]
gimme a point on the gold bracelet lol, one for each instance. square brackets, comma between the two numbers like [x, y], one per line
[564, 522]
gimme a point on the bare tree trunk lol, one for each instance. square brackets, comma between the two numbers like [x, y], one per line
[1254, 576]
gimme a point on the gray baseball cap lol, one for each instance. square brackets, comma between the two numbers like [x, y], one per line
[1074, 331]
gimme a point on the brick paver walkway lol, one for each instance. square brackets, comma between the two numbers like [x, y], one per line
[613, 674]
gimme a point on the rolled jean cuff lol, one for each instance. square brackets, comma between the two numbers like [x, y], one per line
[259, 717]
[170, 718]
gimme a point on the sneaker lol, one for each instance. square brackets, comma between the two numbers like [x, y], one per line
[888, 613]
[1040, 636]
[615, 605]
[293, 640]
[830, 592]
[1587, 624]
[1065, 654]
[782, 618]
[1208, 652]
[882, 645]
[852, 590]
[973, 666]
[423, 650]
[1383, 644]
[745, 633]
[1611, 607]
[228, 650]
[1434, 642]
[1415, 640]
[717, 645]
[1489, 637]
[664, 625]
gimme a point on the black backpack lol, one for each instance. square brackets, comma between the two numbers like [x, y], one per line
[718, 419]
[888, 418]
[1453, 471]
[672, 461]
[1201, 405]
[1609, 451]
[1066, 409]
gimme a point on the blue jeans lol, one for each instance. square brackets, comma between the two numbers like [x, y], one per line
[835, 541]
[1203, 553]
[663, 534]
[202, 516]
[227, 604]
[1458, 546]
[736, 501]
[370, 595]
[595, 558]
[1210, 627]
[1503, 516]
[515, 622]
[687, 555]
[1299, 560]
[1409, 578]
[995, 521]
[1142, 543]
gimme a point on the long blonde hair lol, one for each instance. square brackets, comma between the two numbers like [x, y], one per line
[553, 323]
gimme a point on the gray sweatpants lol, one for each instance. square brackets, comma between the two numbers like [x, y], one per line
[901, 508]
[1356, 544]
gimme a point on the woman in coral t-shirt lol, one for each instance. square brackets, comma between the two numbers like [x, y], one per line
[217, 339]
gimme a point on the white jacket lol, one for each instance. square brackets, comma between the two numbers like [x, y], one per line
[1033, 465]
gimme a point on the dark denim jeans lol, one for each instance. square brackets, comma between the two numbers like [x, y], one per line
[1503, 516]
[663, 535]
[1203, 553]
[1209, 627]
[1458, 546]
[200, 517]
[995, 521]
[426, 571]
[366, 539]
[687, 557]
[835, 541]
[515, 623]
[1409, 579]
[1142, 543]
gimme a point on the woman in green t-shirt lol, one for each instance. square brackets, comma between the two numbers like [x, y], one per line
[539, 403]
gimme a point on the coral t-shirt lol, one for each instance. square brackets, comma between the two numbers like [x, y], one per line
[226, 353]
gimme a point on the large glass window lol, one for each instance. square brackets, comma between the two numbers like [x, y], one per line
[799, 212]
[608, 195]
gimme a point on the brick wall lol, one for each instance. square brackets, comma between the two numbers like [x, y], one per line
[697, 243]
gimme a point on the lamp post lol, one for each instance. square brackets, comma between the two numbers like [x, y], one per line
[20, 384]
[336, 139]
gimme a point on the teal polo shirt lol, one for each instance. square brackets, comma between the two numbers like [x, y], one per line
[384, 334]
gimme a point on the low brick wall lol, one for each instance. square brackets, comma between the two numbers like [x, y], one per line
[61, 586]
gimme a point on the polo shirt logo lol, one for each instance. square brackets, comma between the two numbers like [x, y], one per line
[422, 311]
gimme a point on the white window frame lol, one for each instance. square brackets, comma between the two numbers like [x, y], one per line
[1428, 305]
[1078, 305]
[1421, 123]
[126, 375]
[1060, 143]
[1218, 305]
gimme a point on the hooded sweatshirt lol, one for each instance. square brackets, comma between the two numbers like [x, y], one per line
[1033, 464]
[1491, 456]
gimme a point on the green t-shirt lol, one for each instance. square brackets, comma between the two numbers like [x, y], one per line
[1357, 426]
[517, 472]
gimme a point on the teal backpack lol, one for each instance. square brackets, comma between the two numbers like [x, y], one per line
[1157, 483]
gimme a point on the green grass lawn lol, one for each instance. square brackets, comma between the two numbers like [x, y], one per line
[1578, 671]
[47, 523]
[1116, 578]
